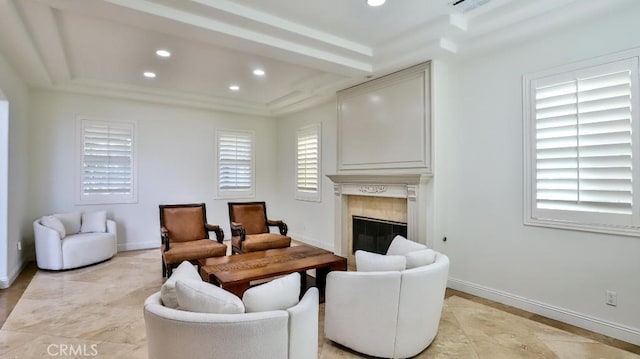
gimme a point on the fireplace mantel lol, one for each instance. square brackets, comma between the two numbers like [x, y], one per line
[377, 185]
[395, 179]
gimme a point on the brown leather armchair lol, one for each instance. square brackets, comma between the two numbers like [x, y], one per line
[250, 228]
[185, 235]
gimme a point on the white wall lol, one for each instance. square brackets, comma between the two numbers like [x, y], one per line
[176, 159]
[17, 225]
[309, 222]
[478, 186]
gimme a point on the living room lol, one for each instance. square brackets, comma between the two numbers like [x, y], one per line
[475, 198]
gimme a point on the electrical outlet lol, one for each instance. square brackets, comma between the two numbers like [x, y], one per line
[19, 245]
[612, 298]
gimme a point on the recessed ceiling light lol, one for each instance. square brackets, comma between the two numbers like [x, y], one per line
[258, 72]
[149, 74]
[163, 53]
[234, 87]
[375, 2]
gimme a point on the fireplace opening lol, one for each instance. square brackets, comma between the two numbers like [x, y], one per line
[375, 235]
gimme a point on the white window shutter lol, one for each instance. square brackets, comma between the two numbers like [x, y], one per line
[582, 152]
[583, 144]
[308, 163]
[107, 165]
[235, 163]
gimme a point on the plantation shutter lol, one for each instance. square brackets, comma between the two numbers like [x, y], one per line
[307, 178]
[583, 143]
[235, 161]
[107, 161]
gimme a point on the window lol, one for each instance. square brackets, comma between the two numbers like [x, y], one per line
[308, 163]
[235, 164]
[581, 146]
[107, 171]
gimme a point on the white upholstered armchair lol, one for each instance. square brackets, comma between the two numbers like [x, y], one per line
[391, 314]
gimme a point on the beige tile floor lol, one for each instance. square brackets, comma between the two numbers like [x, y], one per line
[99, 310]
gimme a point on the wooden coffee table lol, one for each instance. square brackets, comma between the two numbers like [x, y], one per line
[234, 273]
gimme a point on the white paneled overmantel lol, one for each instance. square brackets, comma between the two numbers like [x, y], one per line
[377, 185]
[385, 124]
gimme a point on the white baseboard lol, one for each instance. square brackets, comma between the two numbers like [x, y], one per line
[134, 246]
[611, 329]
[5, 282]
[311, 241]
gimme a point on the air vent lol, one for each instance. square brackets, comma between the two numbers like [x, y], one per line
[467, 5]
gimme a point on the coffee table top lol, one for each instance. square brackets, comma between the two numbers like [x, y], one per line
[266, 264]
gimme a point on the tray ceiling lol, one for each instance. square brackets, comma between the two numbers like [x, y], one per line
[308, 49]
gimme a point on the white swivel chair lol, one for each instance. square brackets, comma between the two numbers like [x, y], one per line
[391, 314]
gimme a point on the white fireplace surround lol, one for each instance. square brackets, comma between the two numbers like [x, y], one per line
[392, 186]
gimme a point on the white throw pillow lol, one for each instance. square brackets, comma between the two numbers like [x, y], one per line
[374, 262]
[420, 258]
[402, 246]
[94, 222]
[278, 294]
[55, 224]
[202, 297]
[168, 290]
[71, 222]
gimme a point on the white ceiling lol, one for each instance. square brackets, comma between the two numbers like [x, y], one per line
[309, 49]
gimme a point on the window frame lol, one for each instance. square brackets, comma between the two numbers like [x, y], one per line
[622, 224]
[315, 196]
[84, 199]
[228, 194]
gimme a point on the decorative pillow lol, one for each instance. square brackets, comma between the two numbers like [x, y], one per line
[71, 222]
[278, 294]
[420, 258]
[402, 246]
[55, 224]
[168, 290]
[94, 222]
[202, 297]
[374, 262]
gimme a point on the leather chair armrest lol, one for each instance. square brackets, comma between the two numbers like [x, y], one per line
[238, 229]
[280, 224]
[217, 229]
[164, 233]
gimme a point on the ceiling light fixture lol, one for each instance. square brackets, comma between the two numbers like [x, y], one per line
[149, 74]
[234, 87]
[375, 2]
[163, 53]
[258, 72]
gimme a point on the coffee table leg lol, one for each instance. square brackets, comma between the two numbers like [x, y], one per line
[303, 282]
[321, 279]
[321, 275]
[237, 288]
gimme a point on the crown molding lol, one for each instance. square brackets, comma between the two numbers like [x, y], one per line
[161, 96]
[43, 25]
[286, 25]
[18, 46]
[307, 49]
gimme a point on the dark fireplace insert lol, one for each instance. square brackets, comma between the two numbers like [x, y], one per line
[375, 235]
